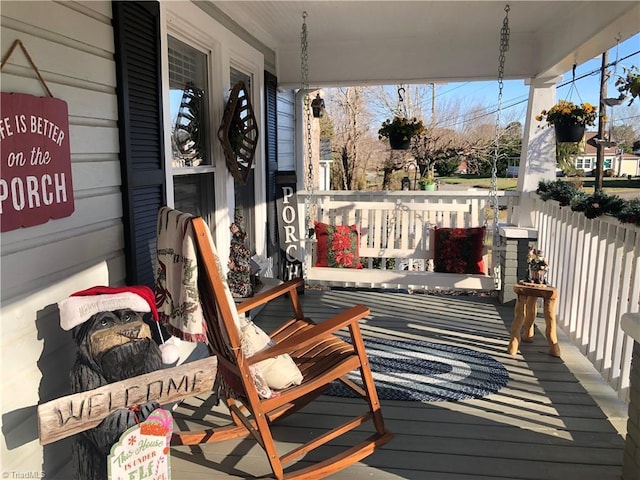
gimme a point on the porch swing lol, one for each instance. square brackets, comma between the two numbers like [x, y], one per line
[406, 243]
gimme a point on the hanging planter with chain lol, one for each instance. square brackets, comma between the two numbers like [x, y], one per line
[400, 130]
[569, 119]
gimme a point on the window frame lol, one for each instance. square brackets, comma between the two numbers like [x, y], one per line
[189, 24]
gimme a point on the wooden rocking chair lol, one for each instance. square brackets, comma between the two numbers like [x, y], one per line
[320, 355]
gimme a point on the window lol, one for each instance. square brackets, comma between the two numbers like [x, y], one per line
[191, 159]
[584, 163]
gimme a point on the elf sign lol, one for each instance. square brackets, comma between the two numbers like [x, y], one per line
[142, 453]
[35, 161]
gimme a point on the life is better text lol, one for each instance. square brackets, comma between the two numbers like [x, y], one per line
[35, 183]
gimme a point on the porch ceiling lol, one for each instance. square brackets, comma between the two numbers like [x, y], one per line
[358, 42]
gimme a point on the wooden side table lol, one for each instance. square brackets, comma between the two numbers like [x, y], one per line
[525, 315]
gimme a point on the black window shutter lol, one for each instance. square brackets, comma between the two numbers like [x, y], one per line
[138, 68]
[271, 165]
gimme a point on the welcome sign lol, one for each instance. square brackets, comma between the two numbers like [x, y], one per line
[35, 165]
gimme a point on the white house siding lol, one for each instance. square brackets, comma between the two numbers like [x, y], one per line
[72, 45]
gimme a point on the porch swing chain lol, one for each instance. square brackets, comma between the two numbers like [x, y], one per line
[304, 68]
[493, 194]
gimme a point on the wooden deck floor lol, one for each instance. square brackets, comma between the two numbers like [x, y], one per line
[555, 420]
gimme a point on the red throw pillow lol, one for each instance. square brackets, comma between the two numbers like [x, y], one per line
[338, 246]
[459, 250]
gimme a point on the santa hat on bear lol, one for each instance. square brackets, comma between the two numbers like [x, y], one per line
[81, 306]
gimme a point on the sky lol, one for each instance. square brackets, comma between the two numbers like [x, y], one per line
[586, 89]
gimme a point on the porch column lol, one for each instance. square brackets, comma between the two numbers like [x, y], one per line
[538, 157]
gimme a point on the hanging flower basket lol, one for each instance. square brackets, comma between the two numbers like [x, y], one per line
[629, 85]
[399, 131]
[569, 119]
[569, 132]
[398, 141]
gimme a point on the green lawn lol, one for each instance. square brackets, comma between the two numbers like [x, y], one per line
[612, 186]
[474, 181]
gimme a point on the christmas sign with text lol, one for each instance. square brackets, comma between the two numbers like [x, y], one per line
[35, 168]
[143, 450]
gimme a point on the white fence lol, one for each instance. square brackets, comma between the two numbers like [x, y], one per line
[595, 264]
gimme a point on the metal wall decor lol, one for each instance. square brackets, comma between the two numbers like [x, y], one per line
[238, 133]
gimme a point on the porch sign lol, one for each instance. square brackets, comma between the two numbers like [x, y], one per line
[288, 224]
[143, 450]
[35, 161]
[66, 416]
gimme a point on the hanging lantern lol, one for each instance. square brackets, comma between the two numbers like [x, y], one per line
[317, 106]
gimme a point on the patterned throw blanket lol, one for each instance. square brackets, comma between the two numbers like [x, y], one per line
[176, 288]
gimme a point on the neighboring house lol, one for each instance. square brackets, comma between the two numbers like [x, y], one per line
[622, 163]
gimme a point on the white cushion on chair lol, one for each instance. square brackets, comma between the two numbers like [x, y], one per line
[279, 372]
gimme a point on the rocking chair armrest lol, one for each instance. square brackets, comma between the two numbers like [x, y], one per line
[268, 295]
[310, 335]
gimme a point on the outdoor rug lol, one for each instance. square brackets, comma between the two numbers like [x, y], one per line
[427, 372]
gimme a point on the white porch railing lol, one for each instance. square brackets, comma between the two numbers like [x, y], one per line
[595, 263]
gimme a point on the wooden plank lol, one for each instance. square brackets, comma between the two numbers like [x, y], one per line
[599, 265]
[401, 277]
[543, 424]
[76, 413]
[615, 250]
[404, 230]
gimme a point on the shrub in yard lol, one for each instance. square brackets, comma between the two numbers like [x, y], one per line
[446, 168]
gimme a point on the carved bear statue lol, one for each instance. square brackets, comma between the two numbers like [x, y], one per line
[114, 343]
